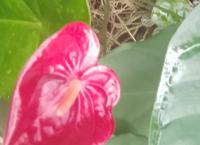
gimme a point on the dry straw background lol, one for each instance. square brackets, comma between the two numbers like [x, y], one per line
[117, 21]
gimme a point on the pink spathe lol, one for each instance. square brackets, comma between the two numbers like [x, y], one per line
[63, 96]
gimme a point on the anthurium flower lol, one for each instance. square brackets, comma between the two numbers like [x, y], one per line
[63, 96]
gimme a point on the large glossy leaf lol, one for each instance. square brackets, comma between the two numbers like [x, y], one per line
[139, 67]
[127, 139]
[176, 114]
[24, 24]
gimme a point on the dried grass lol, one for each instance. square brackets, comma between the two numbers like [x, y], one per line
[118, 21]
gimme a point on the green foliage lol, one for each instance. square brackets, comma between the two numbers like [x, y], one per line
[167, 12]
[24, 24]
[139, 67]
[176, 113]
[128, 139]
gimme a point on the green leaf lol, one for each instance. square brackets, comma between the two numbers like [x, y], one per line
[24, 24]
[139, 67]
[167, 12]
[176, 114]
[127, 139]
